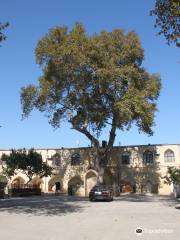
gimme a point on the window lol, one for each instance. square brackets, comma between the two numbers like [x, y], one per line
[148, 157]
[169, 156]
[125, 159]
[56, 160]
[75, 159]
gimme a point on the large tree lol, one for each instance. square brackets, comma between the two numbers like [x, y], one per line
[167, 14]
[29, 163]
[93, 82]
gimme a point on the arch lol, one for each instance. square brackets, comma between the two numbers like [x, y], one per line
[58, 186]
[90, 180]
[148, 157]
[18, 182]
[74, 185]
[55, 184]
[148, 187]
[91, 170]
[169, 156]
[126, 185]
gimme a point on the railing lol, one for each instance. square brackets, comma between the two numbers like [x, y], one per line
[23, 190]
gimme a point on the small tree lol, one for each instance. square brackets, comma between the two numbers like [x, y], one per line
[167, 14]
[173, 176]
[93, 82]
[3, 178]
[29, 163]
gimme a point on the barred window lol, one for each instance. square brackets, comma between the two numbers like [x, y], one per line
[148, 157]
[75, 159]
[125, 158]
[169, 156]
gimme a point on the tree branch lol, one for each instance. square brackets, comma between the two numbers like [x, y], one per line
[30, 178]
[87, 134]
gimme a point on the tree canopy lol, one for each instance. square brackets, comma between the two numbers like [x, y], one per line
[93, 82]
[2, 27]
[167, 14]
[173, 175]
[29, 163]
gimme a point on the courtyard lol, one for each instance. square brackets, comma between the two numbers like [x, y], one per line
[66, 218]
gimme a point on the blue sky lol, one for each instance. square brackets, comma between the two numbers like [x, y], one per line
[30, 21]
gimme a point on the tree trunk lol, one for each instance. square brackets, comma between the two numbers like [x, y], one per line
[100, 178]
[101, 160]
[101, 155]
[28, 180]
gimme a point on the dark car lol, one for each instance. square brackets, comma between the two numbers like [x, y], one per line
[101, 192]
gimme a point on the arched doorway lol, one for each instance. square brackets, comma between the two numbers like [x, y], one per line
[18, 182]
[126, 186]
[148, 187]
[74, 185]
[55, 184]
[90, 181]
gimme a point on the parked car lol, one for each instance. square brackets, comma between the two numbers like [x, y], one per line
[101, 192]
[176, 191]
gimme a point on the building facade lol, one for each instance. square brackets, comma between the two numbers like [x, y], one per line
[130, 169]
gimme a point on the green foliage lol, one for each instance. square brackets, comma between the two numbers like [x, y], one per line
[3, 178]
[93, 81]
[167, 14]
[2, 27]
[28, 162]
[173, 175]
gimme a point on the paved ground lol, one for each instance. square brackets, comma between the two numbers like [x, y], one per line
[67, 218]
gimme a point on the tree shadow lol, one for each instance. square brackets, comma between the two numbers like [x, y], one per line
[165, 200]
[134, 198]
[43, 206]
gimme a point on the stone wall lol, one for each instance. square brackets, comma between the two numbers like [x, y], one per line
[130, 169]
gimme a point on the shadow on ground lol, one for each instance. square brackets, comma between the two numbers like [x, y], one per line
[63, 205]
[168, 201]
[146, 198]
[47, 206]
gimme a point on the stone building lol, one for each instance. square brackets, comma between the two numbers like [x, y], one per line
[131, 169]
